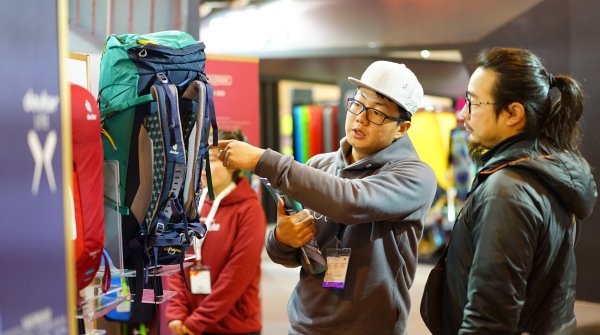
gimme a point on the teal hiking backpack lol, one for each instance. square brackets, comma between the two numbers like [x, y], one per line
[156, 106]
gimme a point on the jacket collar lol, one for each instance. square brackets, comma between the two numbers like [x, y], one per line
[567, 174]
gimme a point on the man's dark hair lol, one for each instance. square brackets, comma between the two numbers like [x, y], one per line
[521, 77]
[404, 114]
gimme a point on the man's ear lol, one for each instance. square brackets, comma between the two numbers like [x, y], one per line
[516, 114]
[402, 129]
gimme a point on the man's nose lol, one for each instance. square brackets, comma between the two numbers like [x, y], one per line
[362, 117]
[464, 112]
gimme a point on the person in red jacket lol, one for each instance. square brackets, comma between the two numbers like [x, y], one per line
[224, 297]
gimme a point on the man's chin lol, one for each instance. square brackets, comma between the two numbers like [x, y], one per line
[355, 142]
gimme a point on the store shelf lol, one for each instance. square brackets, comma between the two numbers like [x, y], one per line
[161, 270]
[97, 303]
[167, 270]
[149, 298]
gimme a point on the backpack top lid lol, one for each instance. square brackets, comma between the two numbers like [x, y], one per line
[119, 75]
[171, 38]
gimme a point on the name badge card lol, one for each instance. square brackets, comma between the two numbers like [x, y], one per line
[200, 279]
[337, 266]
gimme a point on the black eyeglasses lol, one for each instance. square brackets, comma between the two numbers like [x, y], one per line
[470, 103]
[374, 116]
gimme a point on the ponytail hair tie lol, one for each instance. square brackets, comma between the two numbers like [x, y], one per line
[551, 80]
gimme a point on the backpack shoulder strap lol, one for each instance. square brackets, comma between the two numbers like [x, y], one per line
[211, 110]
[173, 156]
[210, 107]
[201, 91]
[196, 150]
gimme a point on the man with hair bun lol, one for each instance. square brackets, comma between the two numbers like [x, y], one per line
[510, 265]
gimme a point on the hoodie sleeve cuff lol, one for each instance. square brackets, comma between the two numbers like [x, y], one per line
[276, 247]
[194, 326]
[267, 163]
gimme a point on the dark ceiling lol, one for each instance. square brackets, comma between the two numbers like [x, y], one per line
[339, 38]
[381, 24]
[437, 78]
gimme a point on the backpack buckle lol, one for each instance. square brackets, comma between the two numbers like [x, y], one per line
[176, 204]
[203, 77]
[160, 227]
[162, 77]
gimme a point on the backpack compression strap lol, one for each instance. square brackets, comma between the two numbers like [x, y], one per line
[107, 112]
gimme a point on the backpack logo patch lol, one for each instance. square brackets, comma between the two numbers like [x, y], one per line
[174, 150]
[90, 113]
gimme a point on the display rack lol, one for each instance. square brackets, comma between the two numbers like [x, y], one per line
[112, 216]
[98, 303]
[148, 296]
[95, 303]
[112, 227]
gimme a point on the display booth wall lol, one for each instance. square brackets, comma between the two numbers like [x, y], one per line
[36, 275]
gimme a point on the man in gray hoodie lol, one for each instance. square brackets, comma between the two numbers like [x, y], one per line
[364, 206]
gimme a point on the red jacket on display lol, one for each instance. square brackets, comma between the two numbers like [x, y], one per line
[232, 249]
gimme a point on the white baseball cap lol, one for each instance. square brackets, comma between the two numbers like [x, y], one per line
[394, 81]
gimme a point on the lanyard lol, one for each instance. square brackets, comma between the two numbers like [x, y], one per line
[211, 215]
[339, 235]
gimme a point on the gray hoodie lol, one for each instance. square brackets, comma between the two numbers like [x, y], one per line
[382, 201]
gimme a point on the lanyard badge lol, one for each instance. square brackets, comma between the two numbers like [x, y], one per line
[337, 265]
[200, 274]
[200, 279]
